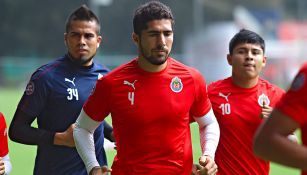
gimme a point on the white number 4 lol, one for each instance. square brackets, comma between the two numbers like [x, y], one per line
[225, 108]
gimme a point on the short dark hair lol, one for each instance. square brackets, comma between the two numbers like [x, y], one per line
[83, 13]
[152, 10]
[246, 36]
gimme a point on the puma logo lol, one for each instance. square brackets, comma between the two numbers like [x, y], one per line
[224, 96]
[130, 84]
[71, 81]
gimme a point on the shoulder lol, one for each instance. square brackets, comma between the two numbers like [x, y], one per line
[123, 69]
[48, 69]
[101, 68]
[178, 67]
[223, 83]
[270, 86]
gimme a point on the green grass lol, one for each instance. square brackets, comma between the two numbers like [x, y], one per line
[22, 156]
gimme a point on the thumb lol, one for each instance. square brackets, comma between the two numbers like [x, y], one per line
[203, 160]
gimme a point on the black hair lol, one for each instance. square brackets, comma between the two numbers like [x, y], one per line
[152, 10]
[83, 13]
[246, 36]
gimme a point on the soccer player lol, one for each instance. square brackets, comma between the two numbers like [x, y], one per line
[55, 95]
[240, 102]
[271, 141]
[5, 163]
[150, 99]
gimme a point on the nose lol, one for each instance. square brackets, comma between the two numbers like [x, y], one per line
[161, 40]
[82, 40]
[249, 55]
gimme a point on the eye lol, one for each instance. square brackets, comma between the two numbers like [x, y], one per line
[89, 35]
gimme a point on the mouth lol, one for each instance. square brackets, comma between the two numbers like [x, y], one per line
[249, 66]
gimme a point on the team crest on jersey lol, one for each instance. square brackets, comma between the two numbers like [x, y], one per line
[263, 99]
[298, 82]
[30, 88]
[176, 84]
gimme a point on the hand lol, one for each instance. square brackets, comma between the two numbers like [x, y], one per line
[65, 138]
[2, 168]
[100, 170]
[266, 111]
[208, 166]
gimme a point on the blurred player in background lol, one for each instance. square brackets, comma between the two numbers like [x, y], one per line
[271, 141]
[240, 103]
[150, 99]
[5, 163]
[55, 95]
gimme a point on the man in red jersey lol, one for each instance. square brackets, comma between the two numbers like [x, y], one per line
[240, 103]
[151, 99]
[5, 163]
[271, 141]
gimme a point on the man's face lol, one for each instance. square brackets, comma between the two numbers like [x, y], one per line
[247, 61]
[82, 41]
[155, 42]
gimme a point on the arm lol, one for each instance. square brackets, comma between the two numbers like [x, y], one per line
[83, 136]
[108, 132]
[21, 131]
[209, 137]
[265, 113]
[271, 142]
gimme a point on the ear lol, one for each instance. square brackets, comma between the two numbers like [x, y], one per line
[264, 61]
[99, 40]
[135, 38]
[65, 39]
[229, 59]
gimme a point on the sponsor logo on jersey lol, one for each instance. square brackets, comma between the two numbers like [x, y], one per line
[263, 100]
[130, 84]
[30, 88]
[176, 85]
[298, 82]
[224, 96]
[130, 94]
[71, 81]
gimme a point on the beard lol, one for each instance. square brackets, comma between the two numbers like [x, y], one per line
[81, 61]
[155, 60]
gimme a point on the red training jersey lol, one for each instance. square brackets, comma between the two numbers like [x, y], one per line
[294, 103]
[238, 113]
[150, 116]
[4, 150]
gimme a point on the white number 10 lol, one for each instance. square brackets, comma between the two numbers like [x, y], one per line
[225, 108]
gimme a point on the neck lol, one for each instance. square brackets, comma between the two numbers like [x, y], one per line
[148, 67]
[245, 82]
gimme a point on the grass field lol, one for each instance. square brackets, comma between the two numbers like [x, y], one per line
[22, 156]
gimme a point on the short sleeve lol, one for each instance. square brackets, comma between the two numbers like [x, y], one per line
[201, 104]
[97, 105]
[3, 137]
[294, 102]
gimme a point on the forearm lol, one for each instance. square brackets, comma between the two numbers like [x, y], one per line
[20, 131]
[209, 133]
[83, 136]
[284, 151]
[108, 132]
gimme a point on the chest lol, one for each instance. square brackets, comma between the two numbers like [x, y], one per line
[152, 99]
